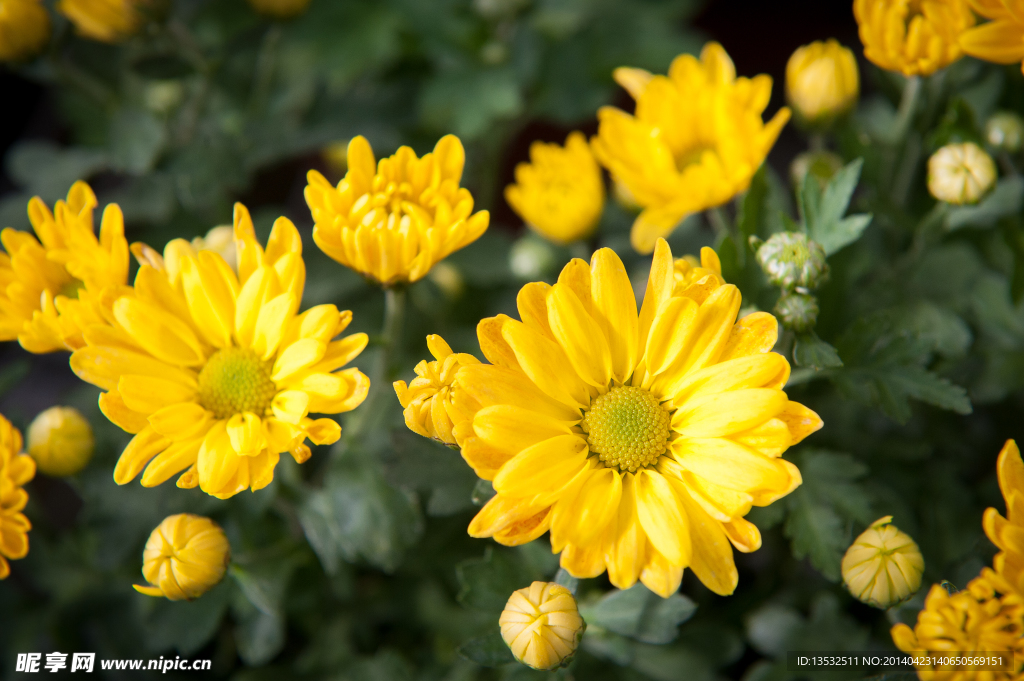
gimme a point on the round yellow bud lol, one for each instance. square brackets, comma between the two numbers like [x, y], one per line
[185, 556]
[61, 441]
[542, 625]
[280, 9]
[24, 29]
[960, 173]
[883, 566]
[822, 81]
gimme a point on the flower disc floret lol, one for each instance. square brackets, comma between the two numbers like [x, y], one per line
[235, 381]
[627, 428]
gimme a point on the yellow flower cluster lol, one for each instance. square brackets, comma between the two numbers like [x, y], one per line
[638, 439]
[987, 616]
[392, 221]
[185, 556]
[16, 469]
[215, 372]
[695, 141]
[57, 283]
[913, 37]
[24, 29]
[108, 21]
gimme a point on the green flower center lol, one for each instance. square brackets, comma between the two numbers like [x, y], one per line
[627, 428]
[71, 289]
[236, 380]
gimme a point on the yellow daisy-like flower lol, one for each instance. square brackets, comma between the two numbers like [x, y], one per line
[1000, 40]
[696, 140]
[185, 556]
[108, 21]
[280, 9]
[391, 221]
[1008, 533]
[913, 37]
[53, 287]
[215, 372]
[822, 81]
[975, 621]
[639, 440]
[428, 400]
[697, 280]
[15, 470]
[883, 566]
[541, 625]
[560, 193]
[24, 29]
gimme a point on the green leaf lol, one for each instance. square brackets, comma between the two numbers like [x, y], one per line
[187, 626]
[48, 171]
[486, 583]
[823, 214]
[469, 101]
[1004, 200]
[640, 614]
[823, 508]
[137, 138]
[416, 462]
[811, 351]
[488, 650]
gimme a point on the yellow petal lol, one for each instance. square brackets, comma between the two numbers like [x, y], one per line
[143, 447]
[176, 458]
[726, 463]
[670, 333]
[210, 289]
[754, 334]
[270, 325]
[524, 530]
[493, 344]
[544, 468]
[114, 408]
[753, 371]
[659, 289]
[546, 364]
[743, 534]
[582, 563]
[245, 431]
[299, 355]
[662, 516]
[104, 366]
[221, 472]
[661, 576]
[147, 394]
[730, 412]
[626, 548]
[531, 301]
[579, 335]
[324, 431]
[582, 517]
[492, 385]
[500, 512]
[290, 406]
[712, 559]
[800, 421]
[162, 335]
[1000, 41]
[615, 310]
[712, 329]
[181, 421]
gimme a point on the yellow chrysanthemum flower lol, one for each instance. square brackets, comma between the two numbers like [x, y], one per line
[639, 441]
[914, 37]
[391, 221]
[822, 81]
[217, 373]
[559, 193]
[883, 566]
[541, 625]
[220, 240]
[697, 280]
[52, 288]
[108, 21]
[185, 556]
[1000, 40]
[24, 29]
[1008, 533]
[60, 440]
[696, 140]
[280, 9]
[15, 470]
[428, 400]
[975, 621]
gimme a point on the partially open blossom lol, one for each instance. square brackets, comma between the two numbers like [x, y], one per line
[976, 621]
[1000, 40]
[16, 469]
[220, 240]
[821, 81]
[391, 221]
[60, 439]
[912, 37]
[560, 193]
[639, 439]
[1007, 533]
[960, 173]
[185, 556]
[427, 401]
[542, 625]
[694, 142]
[280, 9]
[697, 280]
[883, 566]
[64, 279]
[107, 21]
[24, 29]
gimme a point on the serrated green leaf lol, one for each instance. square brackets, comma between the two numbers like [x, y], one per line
[823, 213]
[488, 650]
[811, 351]
[640, 614]
[488, 582]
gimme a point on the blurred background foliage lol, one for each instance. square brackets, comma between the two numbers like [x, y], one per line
[357, 565]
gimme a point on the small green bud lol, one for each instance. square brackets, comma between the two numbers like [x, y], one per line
[531, 258]
[797, 311]
[790, 259]
[820, 165]
[1005, 130]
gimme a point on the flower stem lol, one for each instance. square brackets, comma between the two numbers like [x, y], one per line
[371, 412]
[908, 106]
[725, 227]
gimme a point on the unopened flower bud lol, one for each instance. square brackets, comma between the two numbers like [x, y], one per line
[819, 165]
[790, 259]
[186, 556]
[883, 566]
[960, 173]
[531, 258]
[280, 9]
[61, 441]
[1005, 130]
[24, 29]
[542, 625]
[821, 82]
[797, 311]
